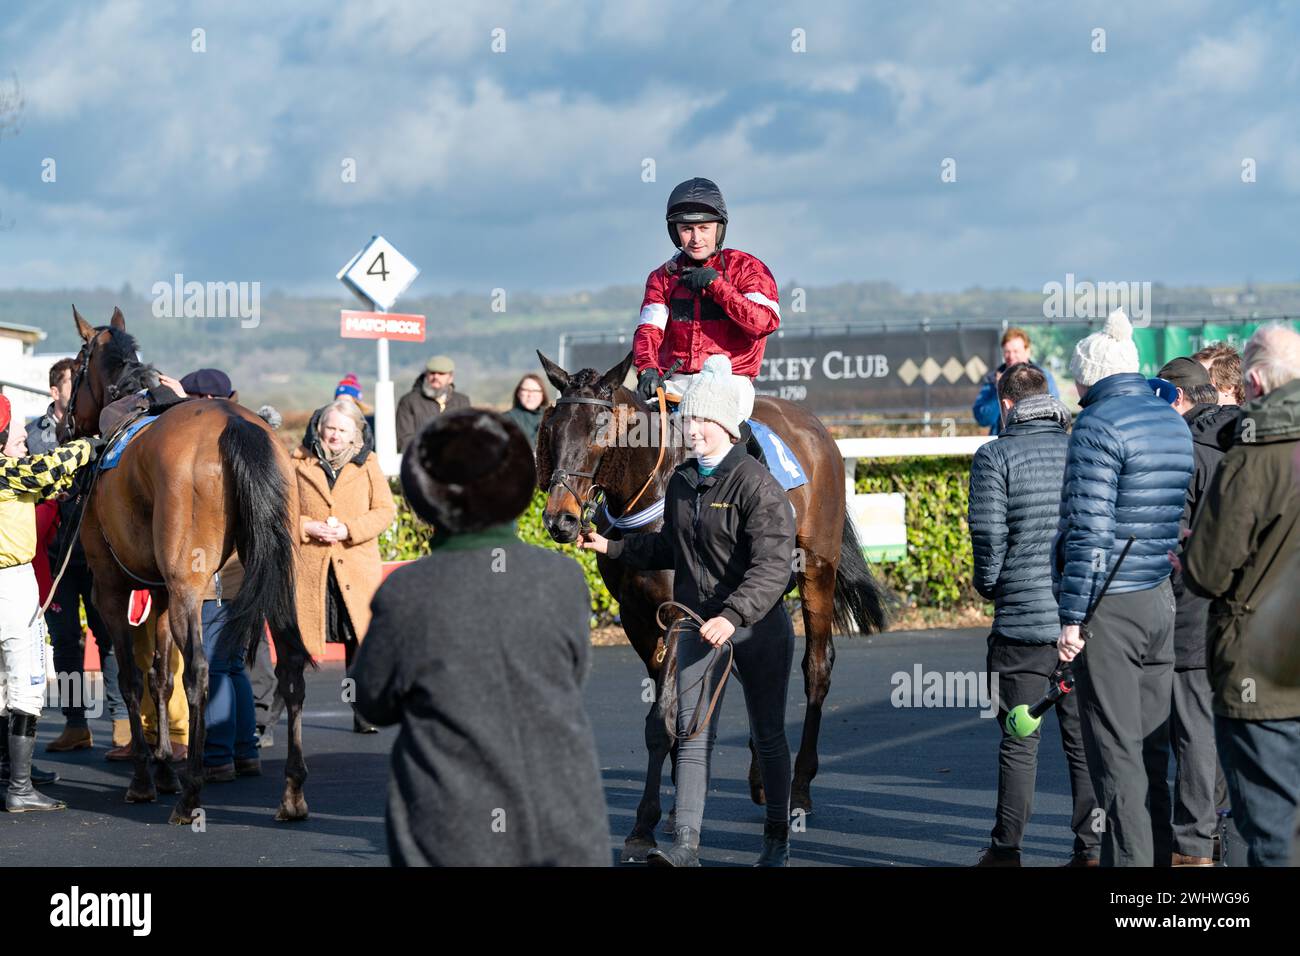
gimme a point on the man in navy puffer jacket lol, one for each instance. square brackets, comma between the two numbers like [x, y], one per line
[1126, 474]
[1015, 492]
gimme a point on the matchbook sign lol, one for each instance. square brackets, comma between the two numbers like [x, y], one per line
[383, 325]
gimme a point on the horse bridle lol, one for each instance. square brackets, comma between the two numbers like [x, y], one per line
[595, 495]
[112, 392]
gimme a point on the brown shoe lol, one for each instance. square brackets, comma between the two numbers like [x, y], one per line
[122, 733]
[1082, 859]
[252, 767]
[72, 738]
[992, 857]
[220, 774]
[1182, 859]
[120, 753]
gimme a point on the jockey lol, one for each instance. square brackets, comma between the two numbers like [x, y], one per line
[704, 301]
[24, 481]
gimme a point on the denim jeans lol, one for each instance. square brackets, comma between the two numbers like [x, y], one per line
[1261, 759]
[231, 725]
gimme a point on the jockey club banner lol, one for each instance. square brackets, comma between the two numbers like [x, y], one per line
[847, 373]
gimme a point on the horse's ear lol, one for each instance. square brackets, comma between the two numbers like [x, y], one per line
[558, 376]
[118, 321]
[615, 376]
[84, 328]
[542, 457]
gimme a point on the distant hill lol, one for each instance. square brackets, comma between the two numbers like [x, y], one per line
[294, 356]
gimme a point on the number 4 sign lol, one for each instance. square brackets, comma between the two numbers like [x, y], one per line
[379, 273]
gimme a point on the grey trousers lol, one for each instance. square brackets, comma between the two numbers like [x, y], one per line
[1125, 677]
[764, 654]
[1191, 735]
[266, 689]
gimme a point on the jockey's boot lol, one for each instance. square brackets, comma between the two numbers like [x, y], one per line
[40, 777]
[685, 850]
[21, 795]
[776, 845]
[751, 443]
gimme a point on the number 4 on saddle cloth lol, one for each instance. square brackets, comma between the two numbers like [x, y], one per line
[781, 461]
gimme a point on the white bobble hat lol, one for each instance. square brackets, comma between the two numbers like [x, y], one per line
[1108, 352]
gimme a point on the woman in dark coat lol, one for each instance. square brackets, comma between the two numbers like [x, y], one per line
[729, 536]
[479, 651]
[530, 404]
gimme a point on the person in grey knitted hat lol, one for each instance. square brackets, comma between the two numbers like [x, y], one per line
[712, 395]
[729, 535]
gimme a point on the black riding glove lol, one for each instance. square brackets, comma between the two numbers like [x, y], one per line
[648, 383]
[697, 280]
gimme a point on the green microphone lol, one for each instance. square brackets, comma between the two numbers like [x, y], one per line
[1023, 719]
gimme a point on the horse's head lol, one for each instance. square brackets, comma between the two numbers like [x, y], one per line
[572, 440]
[108, 367]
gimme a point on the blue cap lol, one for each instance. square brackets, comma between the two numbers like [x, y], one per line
[1164, 389]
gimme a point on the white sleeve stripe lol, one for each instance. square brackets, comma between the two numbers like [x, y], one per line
[655, 314]
[764, 300]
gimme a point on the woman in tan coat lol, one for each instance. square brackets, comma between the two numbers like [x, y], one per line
[344, 506]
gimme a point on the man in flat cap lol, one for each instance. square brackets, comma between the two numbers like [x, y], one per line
[433, 392]
[1191, 721]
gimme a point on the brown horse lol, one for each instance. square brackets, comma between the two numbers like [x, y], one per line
[205, 478]
[577, 468]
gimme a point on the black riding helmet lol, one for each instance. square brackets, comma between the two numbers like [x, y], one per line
[696, 200]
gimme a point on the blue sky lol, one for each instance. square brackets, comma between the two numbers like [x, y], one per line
[522, 169]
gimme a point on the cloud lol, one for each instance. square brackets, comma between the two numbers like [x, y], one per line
[524, 168]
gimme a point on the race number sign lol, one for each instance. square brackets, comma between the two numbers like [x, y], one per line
[379, 273]
[383, 325]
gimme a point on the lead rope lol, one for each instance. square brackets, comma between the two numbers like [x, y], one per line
[669, 697]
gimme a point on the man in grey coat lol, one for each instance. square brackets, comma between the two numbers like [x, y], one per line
[1015, 488]
[479, 651]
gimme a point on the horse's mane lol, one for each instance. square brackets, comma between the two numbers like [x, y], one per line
[122, 365]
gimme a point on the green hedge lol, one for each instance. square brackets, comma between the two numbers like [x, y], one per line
[408, 538]
[939, 565]
[935, 574]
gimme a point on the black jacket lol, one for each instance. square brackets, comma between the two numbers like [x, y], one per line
[728, 537]
[1210, 425]
[415, 410]
[1015, 493]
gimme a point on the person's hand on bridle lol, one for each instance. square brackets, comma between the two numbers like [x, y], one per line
[717, 631]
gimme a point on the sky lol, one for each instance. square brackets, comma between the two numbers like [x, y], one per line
[526, 168]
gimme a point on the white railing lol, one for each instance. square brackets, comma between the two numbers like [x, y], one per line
[854, 448]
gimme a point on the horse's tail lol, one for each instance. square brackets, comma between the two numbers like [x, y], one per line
[859, 599]
[264, 538]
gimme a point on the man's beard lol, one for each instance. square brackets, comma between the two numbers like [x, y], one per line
[435, 393]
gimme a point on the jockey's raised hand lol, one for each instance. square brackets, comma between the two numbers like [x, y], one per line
[649, 383]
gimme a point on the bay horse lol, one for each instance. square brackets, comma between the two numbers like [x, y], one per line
[576, 468]
[204, 479]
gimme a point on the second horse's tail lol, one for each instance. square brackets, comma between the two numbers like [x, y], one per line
[264, 536]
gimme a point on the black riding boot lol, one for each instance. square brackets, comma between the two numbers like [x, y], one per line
[41, 778]
[21, 795]
[359, 724]
[685, 850]
[776, 845]
[751, 443]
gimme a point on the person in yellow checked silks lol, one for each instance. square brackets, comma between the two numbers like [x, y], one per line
[178, 708]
